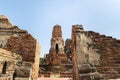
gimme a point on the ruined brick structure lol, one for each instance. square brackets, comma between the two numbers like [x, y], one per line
[57, 47]
[56, 62]
[21, 53]
[93, 56]
[97, 56]
[8, 61]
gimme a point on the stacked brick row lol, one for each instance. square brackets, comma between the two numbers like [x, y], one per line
[109, 48]
[24, 45]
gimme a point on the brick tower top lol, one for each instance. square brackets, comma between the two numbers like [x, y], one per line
[78, 28]
[57, 32]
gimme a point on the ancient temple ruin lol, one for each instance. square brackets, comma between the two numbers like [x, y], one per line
[97, 56]
[19, 53]
[88, 55]
[56, 62]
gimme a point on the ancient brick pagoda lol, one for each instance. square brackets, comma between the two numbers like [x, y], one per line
[86, 56]
[57, 53]
[56, 61]
[19, 53]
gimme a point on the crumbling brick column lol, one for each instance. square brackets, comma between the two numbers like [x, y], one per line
[75, 65]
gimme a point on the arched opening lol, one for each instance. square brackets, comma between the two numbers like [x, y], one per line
[4, 68]
[56, 48]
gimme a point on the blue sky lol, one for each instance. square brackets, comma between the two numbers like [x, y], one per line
[39, 16]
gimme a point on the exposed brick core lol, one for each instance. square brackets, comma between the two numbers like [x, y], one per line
[24, 45]
[110, 54]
